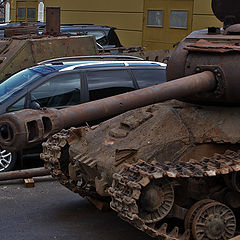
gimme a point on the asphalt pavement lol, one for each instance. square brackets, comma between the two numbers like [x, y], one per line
[50, 211]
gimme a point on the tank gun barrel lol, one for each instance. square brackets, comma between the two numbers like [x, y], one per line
[26, 127]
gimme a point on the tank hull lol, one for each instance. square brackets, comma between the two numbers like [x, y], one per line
[20, 52]
[184, 151]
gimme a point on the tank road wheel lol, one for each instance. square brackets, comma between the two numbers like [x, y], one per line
[192, 212]
[156, 201]
[214, 221]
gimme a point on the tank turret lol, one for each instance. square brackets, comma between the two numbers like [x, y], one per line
[215, 50]
[169, 168]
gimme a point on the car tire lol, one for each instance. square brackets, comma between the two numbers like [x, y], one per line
[8, 160]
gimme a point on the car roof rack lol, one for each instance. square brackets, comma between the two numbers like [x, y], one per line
[94, 57]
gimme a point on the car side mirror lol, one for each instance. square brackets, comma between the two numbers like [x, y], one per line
[35, 105]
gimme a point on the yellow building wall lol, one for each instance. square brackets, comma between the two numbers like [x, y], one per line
[13, 13]
[130, 16]
[21, 3]
[98, 5]
[165, 37]
[125, 15]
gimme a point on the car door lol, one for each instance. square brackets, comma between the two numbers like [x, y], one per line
[59, 91]
[109, 82]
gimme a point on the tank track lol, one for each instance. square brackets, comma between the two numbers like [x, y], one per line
[128, 184]
[53, 150]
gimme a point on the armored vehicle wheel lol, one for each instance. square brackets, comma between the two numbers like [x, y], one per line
[192, 212]
[214, 221]
[156, 201]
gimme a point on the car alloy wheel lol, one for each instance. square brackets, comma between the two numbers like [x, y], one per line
[7, 160]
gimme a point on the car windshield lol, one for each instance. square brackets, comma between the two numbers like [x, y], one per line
[16, 83]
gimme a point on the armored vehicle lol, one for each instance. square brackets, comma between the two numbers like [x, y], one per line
[19, 52]
[23, 46]
[170, 169]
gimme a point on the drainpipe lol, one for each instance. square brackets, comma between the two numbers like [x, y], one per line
[41, 12]
[7, 12]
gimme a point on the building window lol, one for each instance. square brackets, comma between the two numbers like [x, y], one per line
[155, 18]
[178, 19]
[31, 13]
[21, 13]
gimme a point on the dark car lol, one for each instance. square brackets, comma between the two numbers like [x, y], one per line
[106, 36]
[62, 83]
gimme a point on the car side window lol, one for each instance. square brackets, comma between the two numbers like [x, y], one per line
[19, 105]
[59, 91]
[149, 77]
[107, 83]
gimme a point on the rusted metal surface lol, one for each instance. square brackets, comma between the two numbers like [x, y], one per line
[57, 144]
[216, 52]
[18, 129]
[53, 20]
[157, 55]
[161, 145]
[129, 181]
[158, 163]
[188, 221]
[211, 223]
[155, 167]
[23, 29]
[236, 238]
[215, 47]
[22, 174]
[20, 52]
[24, 47]
[233, 30]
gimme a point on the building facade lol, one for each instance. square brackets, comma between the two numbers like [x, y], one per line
[154, 24]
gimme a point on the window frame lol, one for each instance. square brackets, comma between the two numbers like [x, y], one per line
[155, 26]
[178, 10]
[25, 12]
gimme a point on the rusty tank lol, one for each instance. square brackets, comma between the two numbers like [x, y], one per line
[23, 46]
[168, 160]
